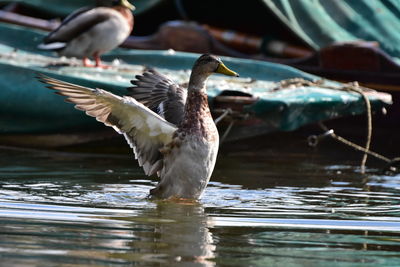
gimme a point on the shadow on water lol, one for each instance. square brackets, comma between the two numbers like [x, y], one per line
[262, 208]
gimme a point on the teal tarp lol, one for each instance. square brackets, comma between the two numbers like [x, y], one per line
[27, 107]
[323, 22]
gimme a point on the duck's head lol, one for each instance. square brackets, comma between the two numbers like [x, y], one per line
[208, 64]
[205, 66]
[124, 3]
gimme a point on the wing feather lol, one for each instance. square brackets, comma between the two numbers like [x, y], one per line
[78, 22]
[160, 94]
[145, 131]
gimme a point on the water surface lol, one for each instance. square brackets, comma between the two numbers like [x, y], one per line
[263, 208]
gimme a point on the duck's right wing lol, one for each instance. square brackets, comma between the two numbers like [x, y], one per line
[160, 94]
[145, 131]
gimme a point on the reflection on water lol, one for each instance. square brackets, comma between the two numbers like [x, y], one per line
[262, 209]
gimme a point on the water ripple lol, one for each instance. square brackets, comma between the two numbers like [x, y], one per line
[72, 210]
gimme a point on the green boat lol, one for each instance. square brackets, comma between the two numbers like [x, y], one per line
[260, 101]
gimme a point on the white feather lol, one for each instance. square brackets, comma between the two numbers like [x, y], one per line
[187, 170]
[52, 46]
[145, 131]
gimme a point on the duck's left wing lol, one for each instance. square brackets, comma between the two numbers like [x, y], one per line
[159, 93]
[145, 131]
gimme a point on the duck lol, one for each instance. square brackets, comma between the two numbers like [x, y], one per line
[90, 32]
[169, 127]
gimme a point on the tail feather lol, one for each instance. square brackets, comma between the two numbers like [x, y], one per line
[52, 46]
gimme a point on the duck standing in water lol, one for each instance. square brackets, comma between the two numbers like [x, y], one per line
[91, 32]
[178, 142]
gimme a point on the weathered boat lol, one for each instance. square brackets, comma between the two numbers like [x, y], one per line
[259, 100]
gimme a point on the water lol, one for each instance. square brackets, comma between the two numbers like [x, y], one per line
[263, 208]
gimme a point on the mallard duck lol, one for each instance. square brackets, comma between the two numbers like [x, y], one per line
[174, 136]
[91, 32]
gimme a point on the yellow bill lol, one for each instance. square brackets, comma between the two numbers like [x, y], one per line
[126, 3]
[224, 70]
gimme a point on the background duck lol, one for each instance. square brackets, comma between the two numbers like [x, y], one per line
[183, 155]
[91, 32]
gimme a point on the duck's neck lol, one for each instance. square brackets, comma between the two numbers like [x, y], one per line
[127, 13]
[197, 119]
[197, 82]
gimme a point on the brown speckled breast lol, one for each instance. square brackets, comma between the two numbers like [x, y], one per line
[197, 119]
[127, 13]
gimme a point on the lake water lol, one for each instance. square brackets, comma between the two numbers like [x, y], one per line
[264, 207]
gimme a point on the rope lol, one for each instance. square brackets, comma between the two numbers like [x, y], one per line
[353, 87]
[223, 115]
[227, 131]
[353, 145]
[313, 141]
[226, 112]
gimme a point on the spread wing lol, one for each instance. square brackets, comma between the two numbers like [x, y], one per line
[160, 94]
[145, 131]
